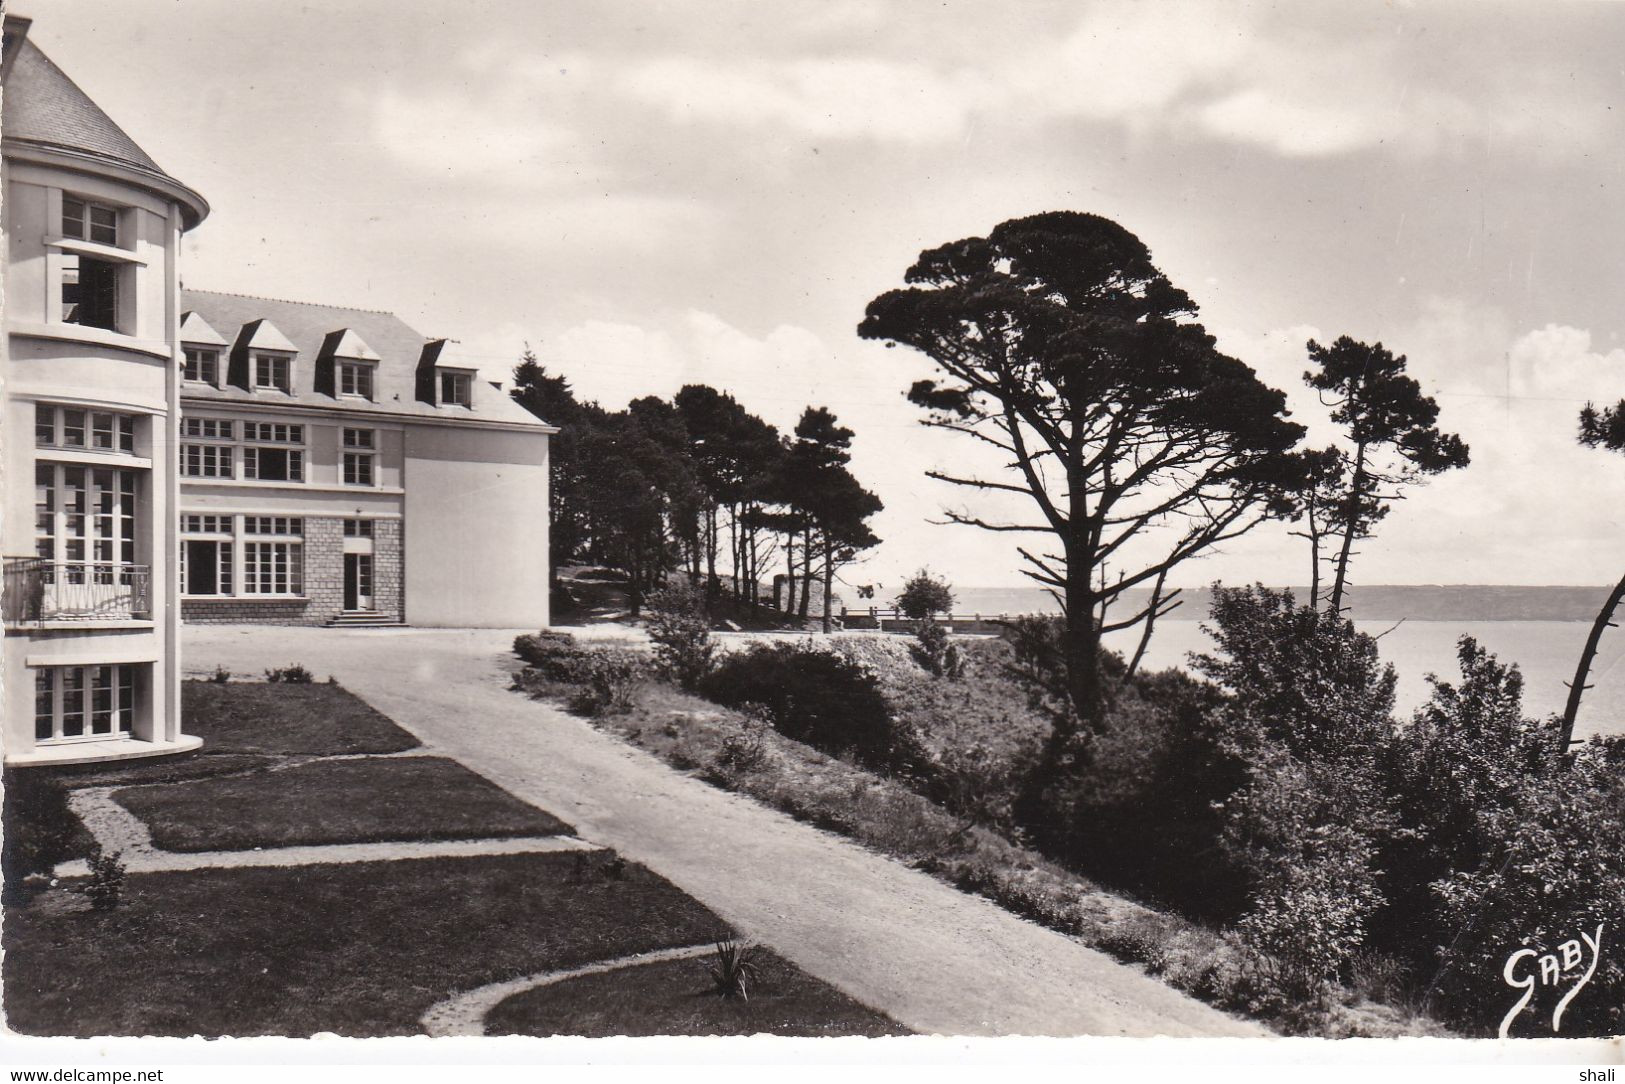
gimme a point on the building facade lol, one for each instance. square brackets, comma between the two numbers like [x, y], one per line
[339, 468]
[91, 370]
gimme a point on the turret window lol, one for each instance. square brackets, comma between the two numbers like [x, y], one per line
[86, 221]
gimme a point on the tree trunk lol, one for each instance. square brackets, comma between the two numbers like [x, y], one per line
[1349, 525]
[711, 553]
[806, 572]
[829, 581]
[1082, 649]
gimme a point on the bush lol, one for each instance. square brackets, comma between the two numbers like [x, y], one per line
[681, 630]
[41, 829]
[814, 697]
[734, 969]
[746, 749]
[923, 597]
[609, 680]
[220, 676]
[106, 884]
[555, 655]
[934, 651]
[290, 675]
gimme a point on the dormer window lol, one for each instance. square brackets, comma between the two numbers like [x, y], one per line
[456, 389]
[202, 366]
[355, 378]
[92, 222]
[273, 372]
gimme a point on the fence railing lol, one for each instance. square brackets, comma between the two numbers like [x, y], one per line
[37, 590]
[889, 618]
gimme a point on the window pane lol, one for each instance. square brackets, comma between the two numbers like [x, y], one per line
[73, 701]
[103, 225]
[73, 428]
[44, 703]
[73, 218]
[44, 425]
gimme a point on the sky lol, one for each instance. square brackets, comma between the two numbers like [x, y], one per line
[658, 193]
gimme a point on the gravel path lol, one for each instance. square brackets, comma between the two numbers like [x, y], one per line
[465, 1014]
[935, 959]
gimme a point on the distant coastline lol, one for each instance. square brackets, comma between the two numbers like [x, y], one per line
[1442, 602]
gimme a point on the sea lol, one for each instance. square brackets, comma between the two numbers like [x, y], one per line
[1546, 650]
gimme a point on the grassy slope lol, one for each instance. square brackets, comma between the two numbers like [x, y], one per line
[676, 998]
[886, 815]
[344, 801]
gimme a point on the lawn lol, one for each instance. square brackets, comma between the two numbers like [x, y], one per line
[676, 998]
[360, 949]
[335, 801]
[261, 717]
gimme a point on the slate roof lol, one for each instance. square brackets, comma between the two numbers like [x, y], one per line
[315, 332]
[43, 105]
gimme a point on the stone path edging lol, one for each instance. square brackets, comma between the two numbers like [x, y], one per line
[465, 1013]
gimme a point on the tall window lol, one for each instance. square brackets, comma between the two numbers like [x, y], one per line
[283, 461]
[87, 221]
[206, 555]
[273, 372]
[202, 366]
[456, 389]
[95, 430]
[360, 449]
[355, 378]
[273, 567]
[206, 451]
[76, 703]
[85, 516]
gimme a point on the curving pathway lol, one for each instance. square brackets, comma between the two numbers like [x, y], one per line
[465, 1014]
[935, 959]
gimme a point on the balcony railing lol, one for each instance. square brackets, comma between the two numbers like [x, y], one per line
[37, 590]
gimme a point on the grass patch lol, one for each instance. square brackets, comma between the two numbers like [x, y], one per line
[312, 720]
[361, 949]
[339, 801]
[675, 998]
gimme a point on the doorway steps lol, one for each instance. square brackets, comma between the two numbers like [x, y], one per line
[358, 619]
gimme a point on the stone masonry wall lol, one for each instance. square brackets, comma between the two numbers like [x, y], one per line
[324, 567]
[388, 567]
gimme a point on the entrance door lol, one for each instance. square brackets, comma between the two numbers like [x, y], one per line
[358, 581]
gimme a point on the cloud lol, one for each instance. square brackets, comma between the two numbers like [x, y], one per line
[1222, 72]
[826, 97]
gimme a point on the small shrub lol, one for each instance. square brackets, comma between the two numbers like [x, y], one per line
[290, 675]
[106, 885]
[220, 676]
[555, 655]
[734, 969]
[609, 680]
[935, 652]
[745, 750]
[681, 630]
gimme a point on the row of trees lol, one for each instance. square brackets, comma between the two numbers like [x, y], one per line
[699, 483]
